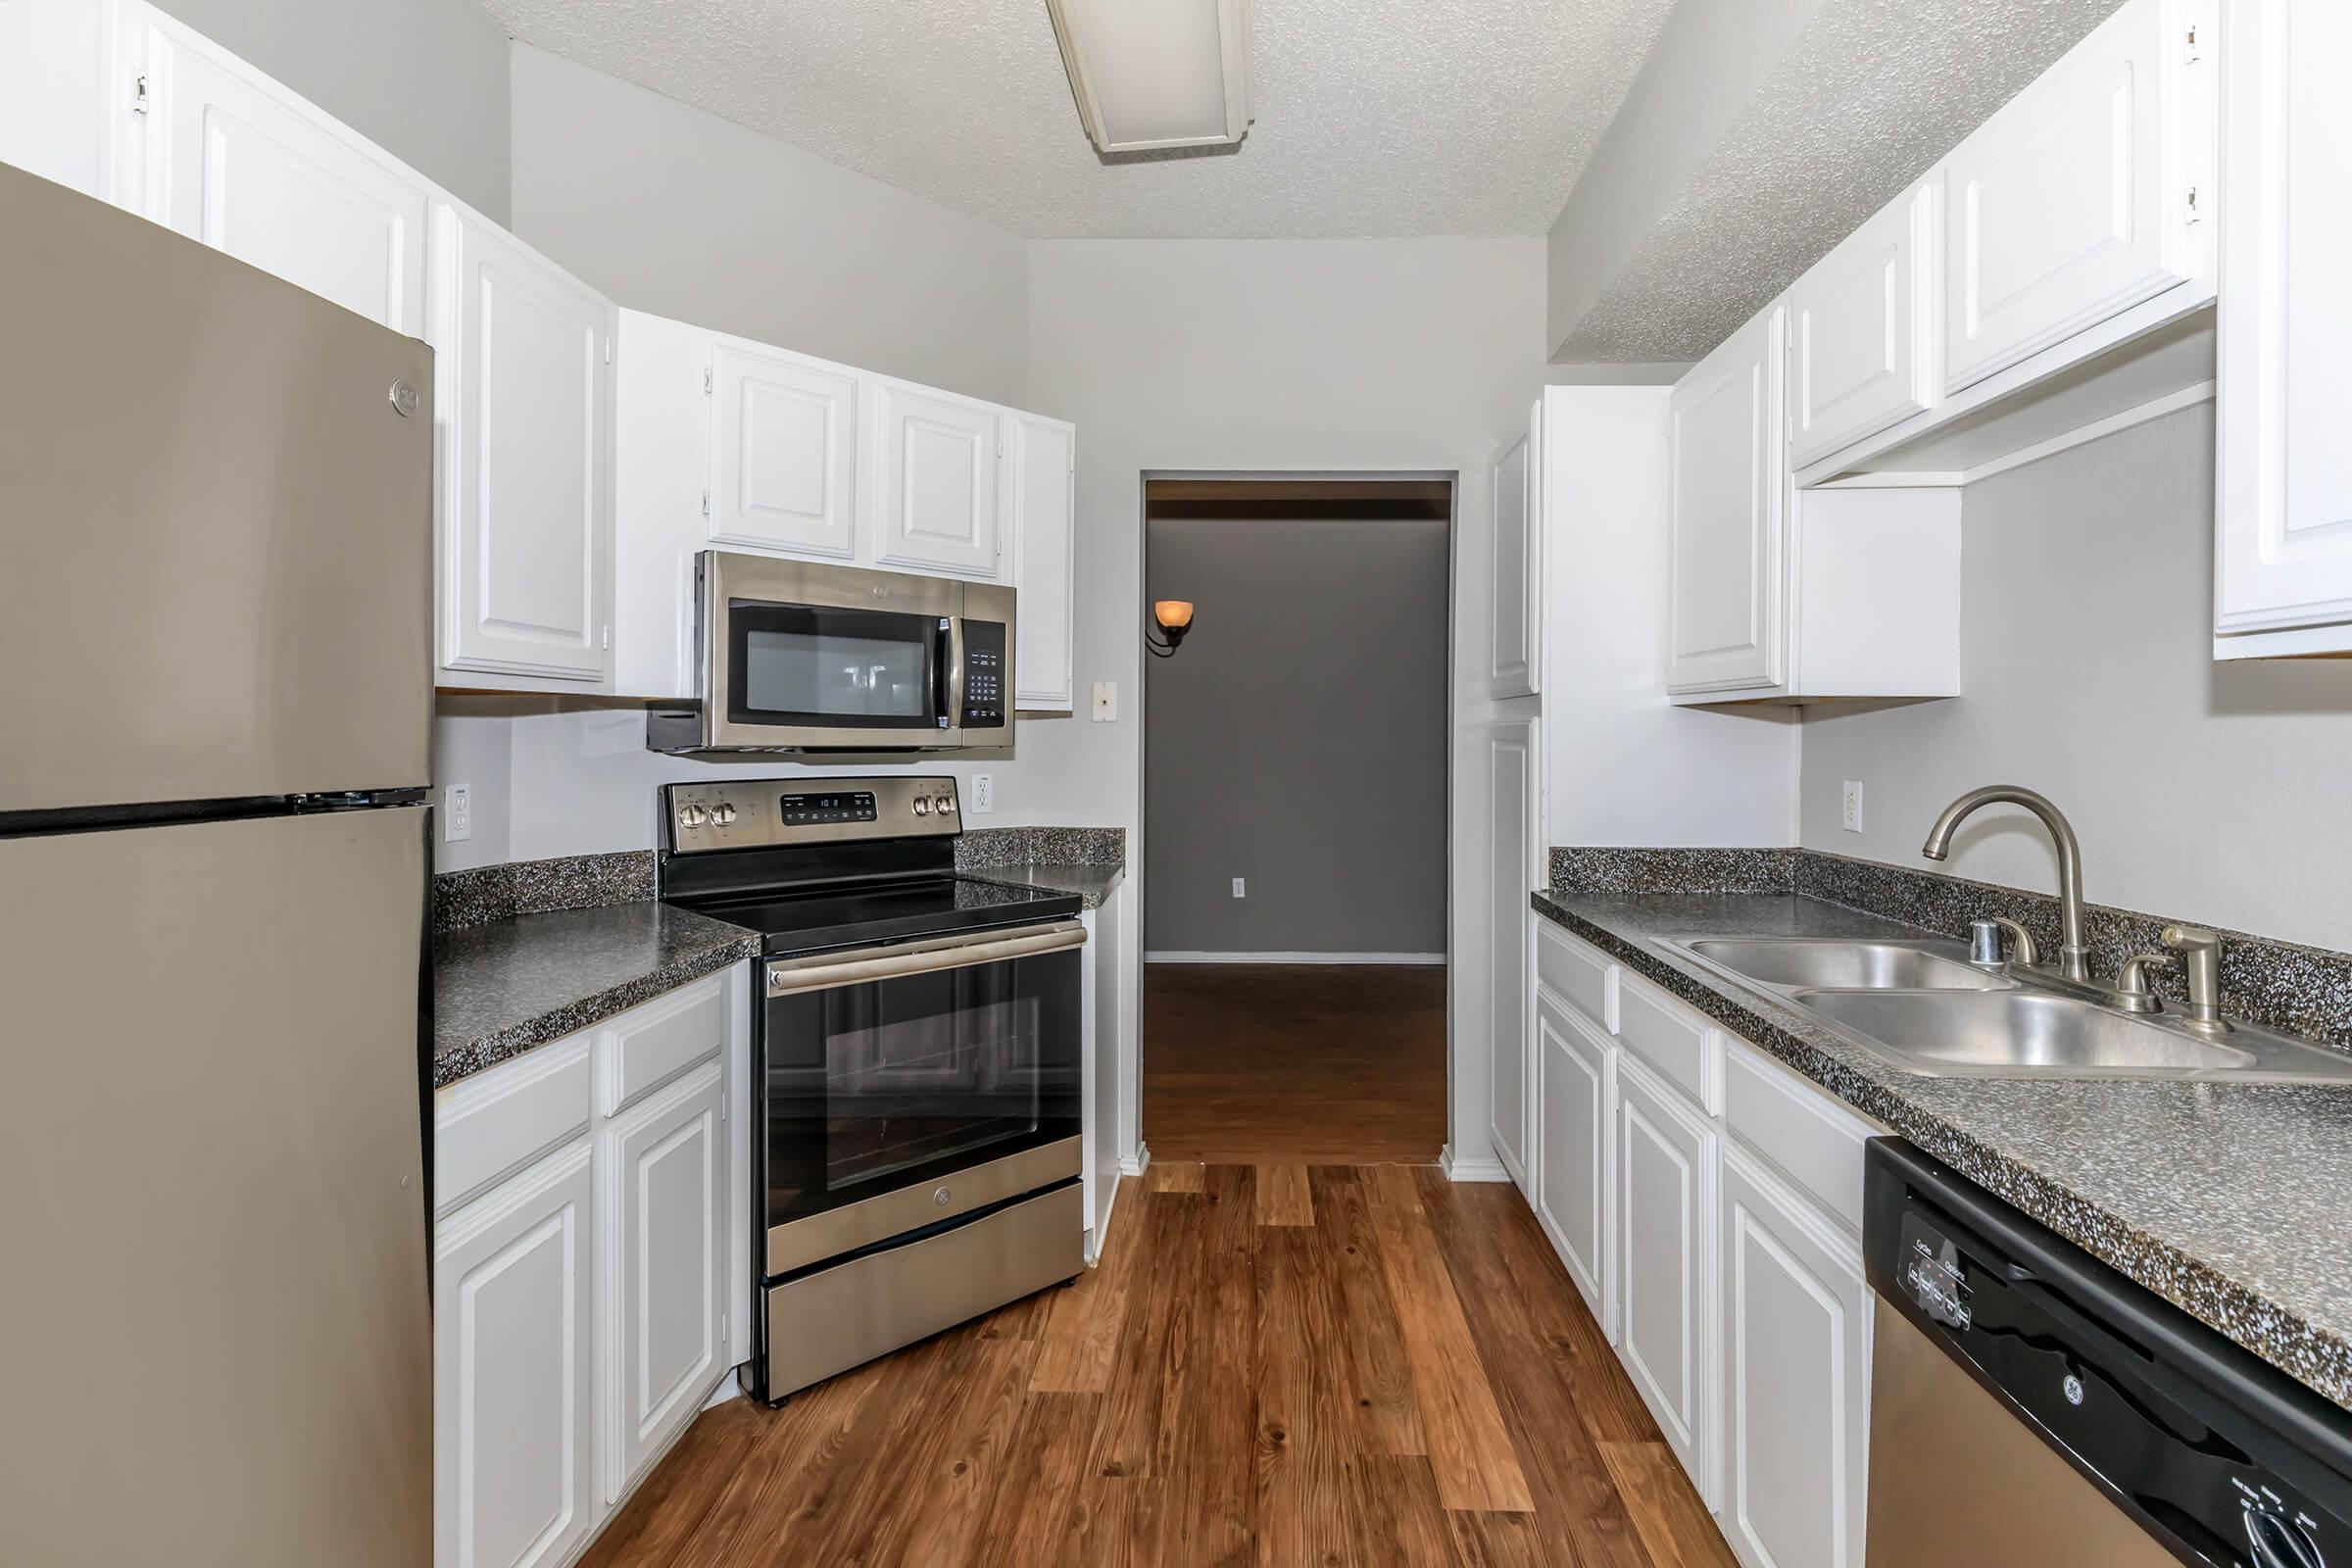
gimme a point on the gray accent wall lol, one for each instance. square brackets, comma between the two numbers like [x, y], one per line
[424, 80]
[1299, 738]
[2087, 673]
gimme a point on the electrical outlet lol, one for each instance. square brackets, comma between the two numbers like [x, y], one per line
[1851, 809]
[1107, 702]
[984, 793]
[457, 813]
[1241, 887]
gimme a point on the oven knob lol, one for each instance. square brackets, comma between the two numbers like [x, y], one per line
[722, 814]
[922, 806]
[946, 804]
[692, 815]
[2279, 1543]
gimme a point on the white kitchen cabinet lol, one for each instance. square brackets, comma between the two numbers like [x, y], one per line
[2084, 195]
[1796, 1325]
[1516, 567]
[934, 487]
[1041, 479]
[524, 394]
[2283, 512]
[665, 1242]
[1665, 1239]
[1726, 512]
[1512, 833]
[1576, 1074]
[226, 156]
[1864, 331]
[514, 1357]
[783, 451]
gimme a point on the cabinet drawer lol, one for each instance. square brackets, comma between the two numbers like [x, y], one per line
[654, 1042]
[1577, 973]
[1815, 1140]
[501, 1120]
[1678, 1042]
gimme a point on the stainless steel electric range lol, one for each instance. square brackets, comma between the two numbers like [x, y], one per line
[916, 1062]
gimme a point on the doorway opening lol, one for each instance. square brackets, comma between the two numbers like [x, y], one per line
[1296, 746]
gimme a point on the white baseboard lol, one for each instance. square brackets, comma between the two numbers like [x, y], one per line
[1139, 1163]
[1470, 1170]
[1296, 957]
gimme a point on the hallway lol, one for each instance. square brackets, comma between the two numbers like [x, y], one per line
[1273, 1365]
[1295, 1063]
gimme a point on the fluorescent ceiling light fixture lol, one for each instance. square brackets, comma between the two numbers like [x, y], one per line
[1154, 73]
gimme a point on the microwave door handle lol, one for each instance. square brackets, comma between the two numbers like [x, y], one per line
[950, 674]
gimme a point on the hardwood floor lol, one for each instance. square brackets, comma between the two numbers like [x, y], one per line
[1295, 1063]
[1277, 1366]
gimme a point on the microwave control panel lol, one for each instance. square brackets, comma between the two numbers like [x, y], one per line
[983, 675]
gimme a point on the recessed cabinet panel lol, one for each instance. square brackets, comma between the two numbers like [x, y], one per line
[527, 519]
[237, 161]
[1665, 1238]
[1575, 1072]
[1796, 1368]
[938, 484]
[513, 1336]
[1042, 473]
[1727, 514]
[784, 467]
[1511, 828]
[2072, 203]
[2284, 517]
[1861, 326]
[1516, 660]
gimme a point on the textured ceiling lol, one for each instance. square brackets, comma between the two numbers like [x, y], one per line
[1430, 116]
[1871, 94]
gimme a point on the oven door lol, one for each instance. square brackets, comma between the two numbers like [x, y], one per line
[907, 1085]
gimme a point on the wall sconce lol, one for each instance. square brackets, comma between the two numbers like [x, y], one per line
[1175, 618]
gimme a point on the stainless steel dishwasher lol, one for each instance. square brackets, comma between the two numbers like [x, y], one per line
[2030, 1405]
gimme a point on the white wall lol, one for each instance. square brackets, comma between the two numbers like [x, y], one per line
[1267, 355]
[2212, 792]
[1623, 765]
[674, 210]
[474, 748]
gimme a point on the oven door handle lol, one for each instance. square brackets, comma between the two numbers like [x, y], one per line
[825, 971]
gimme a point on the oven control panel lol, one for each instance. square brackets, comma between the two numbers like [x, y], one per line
[759, 812]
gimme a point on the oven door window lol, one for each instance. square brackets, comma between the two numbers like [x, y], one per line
[812, 666]
[883, 1084]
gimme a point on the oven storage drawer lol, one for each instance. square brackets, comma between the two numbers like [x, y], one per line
[837, 1318]
[812, 1240]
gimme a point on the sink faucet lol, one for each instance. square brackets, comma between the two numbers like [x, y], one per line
[2073, 953]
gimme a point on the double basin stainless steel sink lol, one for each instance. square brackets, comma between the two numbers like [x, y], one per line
[1924, 1008]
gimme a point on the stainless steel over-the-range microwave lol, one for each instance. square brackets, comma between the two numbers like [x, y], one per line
[794, 656]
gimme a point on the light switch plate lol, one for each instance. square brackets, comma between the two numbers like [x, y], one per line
[1851, 809]
[1107, 702]
[457, 813]
[1241, 887]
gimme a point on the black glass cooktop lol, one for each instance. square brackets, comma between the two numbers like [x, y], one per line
[824, 916]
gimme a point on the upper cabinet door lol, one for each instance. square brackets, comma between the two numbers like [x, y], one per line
[936, 488]
[1041, 470]
[1862, 329]
[1515, 664]
[2074, 201]
[784, 453]
[525, 393]
[2285, 513]
[1727, 516]
[230, 158]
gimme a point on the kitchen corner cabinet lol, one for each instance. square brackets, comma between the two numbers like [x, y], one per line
[2283, 511]
[523, 355]
[1516, 577]
[1040, 495]
[591, 1280]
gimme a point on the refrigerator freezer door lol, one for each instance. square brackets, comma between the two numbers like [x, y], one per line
[212, 1206]
[216, 575]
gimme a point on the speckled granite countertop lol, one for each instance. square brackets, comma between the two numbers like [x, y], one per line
[1092, 883]
[2231, 1200]
[501, 988]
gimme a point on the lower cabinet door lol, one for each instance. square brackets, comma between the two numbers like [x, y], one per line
[1575, 1079]
[1665, 1158]
[1796, 1376]
[665, 1269]
[513, 1352]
